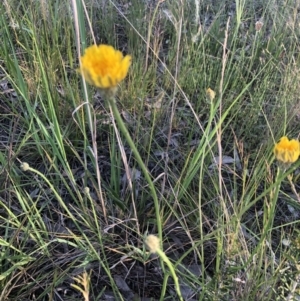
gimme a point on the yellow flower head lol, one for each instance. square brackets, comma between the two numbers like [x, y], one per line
[103, 66]
[210, 94]
[287, 151]
[152, 243]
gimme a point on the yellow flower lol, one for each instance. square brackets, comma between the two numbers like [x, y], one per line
[210, 94]
[152, 243]
[287, 151]
[103, 66]
[25, 166]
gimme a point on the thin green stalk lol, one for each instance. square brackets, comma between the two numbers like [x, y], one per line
[153, 244]
[167, 261]
[269, 213]
[273, 199]
[164, 287]
[140, 161]
[80, 36]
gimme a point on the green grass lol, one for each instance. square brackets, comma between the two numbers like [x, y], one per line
[227, 218]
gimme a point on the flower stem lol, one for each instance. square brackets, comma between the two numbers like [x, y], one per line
[167, 261]
[274, 197]
[140, 161]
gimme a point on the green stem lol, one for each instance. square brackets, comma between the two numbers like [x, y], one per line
[269, 211]
[164, 287]
[140, 161]
[274, 198]
[165, 258]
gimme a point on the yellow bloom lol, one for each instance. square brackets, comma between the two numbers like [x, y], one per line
[210, 94]
[152, 243]
[103, 66]
[25, 166]
[287, 151]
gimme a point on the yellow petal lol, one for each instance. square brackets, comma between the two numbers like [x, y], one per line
[287, 151]
[103, 66]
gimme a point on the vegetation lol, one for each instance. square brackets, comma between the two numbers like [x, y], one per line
[185, 153]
